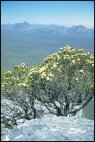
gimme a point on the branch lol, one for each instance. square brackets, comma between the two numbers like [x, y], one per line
[50, 110]
[85, 103]
[82, 106]
[50, 105]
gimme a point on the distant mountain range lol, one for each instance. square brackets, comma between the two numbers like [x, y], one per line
[46, 28]
[31, 43]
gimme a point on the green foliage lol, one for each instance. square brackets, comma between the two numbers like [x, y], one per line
[15, 79]
[73, 68]
[75, 64]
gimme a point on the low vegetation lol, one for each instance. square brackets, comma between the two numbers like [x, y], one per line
[63, 83]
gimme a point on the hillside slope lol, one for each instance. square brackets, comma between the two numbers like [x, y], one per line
[53, 129]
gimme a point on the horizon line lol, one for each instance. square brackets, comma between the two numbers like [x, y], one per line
[47, 24]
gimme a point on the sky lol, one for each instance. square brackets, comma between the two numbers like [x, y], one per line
[67, 13]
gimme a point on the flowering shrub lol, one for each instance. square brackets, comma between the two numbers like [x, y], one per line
[64, 80]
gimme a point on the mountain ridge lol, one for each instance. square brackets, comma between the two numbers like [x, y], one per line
[38, 41]
[26, 24]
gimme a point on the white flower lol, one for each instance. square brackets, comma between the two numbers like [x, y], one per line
[43, 75]
[73, 61]
[8, 71]
[51, 75]
[81, 71]
[48, 78]
[92, 65]
[59, 52]
[92, 62]
[60, 48]
[91, 57]
[78, 59]
[65, 48]
[58, 69]
[77, 79]
[73, 49]
[2, 86]
[81, 50]
[22, 65]
[68, 47]
[22, 84]
[88, 61]
[58, 57]
[42, 69]
[54, 65]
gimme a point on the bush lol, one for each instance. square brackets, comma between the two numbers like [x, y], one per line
[63, 83]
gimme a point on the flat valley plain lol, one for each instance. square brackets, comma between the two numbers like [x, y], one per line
[31, 44]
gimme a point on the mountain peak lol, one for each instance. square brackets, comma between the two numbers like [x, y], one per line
[79, 28]
[25, 23]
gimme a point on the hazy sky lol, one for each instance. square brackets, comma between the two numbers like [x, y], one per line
[65, 13]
